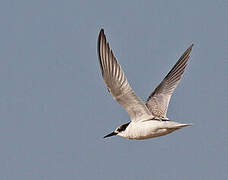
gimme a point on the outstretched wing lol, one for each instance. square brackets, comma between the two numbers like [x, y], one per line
[117, 83]
[159, 99]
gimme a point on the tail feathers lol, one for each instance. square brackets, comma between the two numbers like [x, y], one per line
[183, 125]
[178, 126]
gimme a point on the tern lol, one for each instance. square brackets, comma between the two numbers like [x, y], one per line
[148, 120]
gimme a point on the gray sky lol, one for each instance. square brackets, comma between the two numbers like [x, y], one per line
[55, 109]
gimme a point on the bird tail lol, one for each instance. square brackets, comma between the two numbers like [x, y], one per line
[178, 126]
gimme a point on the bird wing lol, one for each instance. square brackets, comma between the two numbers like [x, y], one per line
[117, 83]
[159, 99]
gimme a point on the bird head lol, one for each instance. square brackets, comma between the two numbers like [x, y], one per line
[119, 130]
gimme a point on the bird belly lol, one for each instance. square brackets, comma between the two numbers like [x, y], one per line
[145, 130]
[150, 134]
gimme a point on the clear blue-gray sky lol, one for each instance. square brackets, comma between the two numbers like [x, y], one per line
[55, 109]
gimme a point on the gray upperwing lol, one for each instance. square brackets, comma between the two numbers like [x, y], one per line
[117, 83]
[158, 100]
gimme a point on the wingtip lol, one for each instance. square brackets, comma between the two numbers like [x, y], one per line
[101, 32]
[190, 47]
[101, 36]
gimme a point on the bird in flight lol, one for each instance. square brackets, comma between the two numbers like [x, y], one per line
[148, 120]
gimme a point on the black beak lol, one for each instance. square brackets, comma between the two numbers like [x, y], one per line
[111, 134]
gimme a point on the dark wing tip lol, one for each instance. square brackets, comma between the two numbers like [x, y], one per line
[190, 47]
[101, 34]
[186, 53]
[102, 30]
[101, 38]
